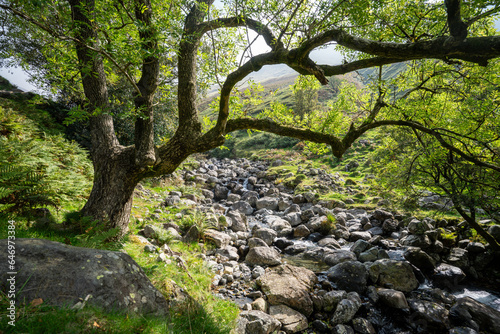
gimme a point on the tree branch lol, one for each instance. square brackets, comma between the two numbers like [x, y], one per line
[458, 29]
[283, 130]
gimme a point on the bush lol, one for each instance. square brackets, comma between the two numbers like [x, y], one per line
[38, 169]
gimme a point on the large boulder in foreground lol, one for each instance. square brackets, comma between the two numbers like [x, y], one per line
[62, 275]
[289, 285]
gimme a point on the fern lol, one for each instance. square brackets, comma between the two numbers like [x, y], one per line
[22, 189]
[38, 167]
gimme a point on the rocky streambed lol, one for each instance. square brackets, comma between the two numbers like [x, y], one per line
[298, 264]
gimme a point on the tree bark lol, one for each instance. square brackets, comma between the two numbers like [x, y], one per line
[115, 178]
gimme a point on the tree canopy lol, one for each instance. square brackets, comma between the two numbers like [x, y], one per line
[168, 50]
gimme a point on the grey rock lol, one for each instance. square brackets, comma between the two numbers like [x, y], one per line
[270, 203]
[256, 242]
[356, 235]
[420, 259]
[294, 218]
[243, 207]
[220, 192]
[61, 275]
[421, 241]
[349, 276]
[390, 225]
[266, 234]
[238, 220]
[329, 242]
[360, 246]
[432, 314]
[397, 275]
[192, 235]
[301, 231]
[462, 330]
[331, 299]
[342, 329]
[338, 256]
[260, 304]
[382, 215]
[289, 285]
[447, 276]
[256, 322]
[471, 313]
[494, 230]
[295, 249]
[392, 298]
[220, 239]
[291, 320]
[475, 248]
[369, 255]
[459, 257]
[263, 256]
[419, 227]
[258, 271]
[363, 326]
[346, 309]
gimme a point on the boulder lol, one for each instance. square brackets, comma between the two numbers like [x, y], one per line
[263, 256]
[331, 299]
[238, 220]
[256, 242]
[419, 227]
[458, 257]
[360, 235]
[270, 203]
[421, 241]
[363, 326]
[420, 259]
[220, 192]
[293, 218]
[349, 276]
[301, 231]
[266, 234]
[291, 320]
[394, 274]
[392, 298]
[256, 322]
[192, 235]
[471, 313]
[447, 276]
[243, 207]
[338, 256]
[389, 226]
[346, 309]
[329, 242]
[342, 329]
[289, 285]
[432, 315]
[382, 215]
[220, 239]
[369, 255]
[494, 230]
[62, 275]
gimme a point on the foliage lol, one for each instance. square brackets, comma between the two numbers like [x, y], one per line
[38, 169]
[328, 224]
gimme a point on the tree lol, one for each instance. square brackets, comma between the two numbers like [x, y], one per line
[132, 40]
[461, 104]
[305, 95]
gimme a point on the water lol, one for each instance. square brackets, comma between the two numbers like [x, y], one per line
[489, 298]
[299, 261]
